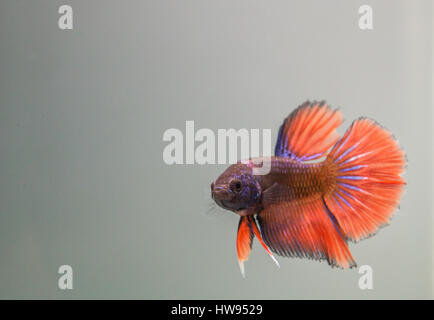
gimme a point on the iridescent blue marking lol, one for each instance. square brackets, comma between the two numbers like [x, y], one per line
[352, 177]
[282, 143]
[346, 152]
[345, 201]
[350, 186]
[285, 153]
[351, 159]
[332, 218]
[352, 168]
[340, 147]
[355, 157]
[336, 200]
[285, 144]
[304, 158]
[347, 194]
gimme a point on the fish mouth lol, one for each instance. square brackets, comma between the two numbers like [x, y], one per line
[221, 194]
[228, 205]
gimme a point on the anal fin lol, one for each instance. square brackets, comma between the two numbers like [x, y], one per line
[303, 228]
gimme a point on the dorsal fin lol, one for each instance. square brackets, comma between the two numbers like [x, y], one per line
[308, 132]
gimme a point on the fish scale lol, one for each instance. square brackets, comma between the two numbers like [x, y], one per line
[303, 180]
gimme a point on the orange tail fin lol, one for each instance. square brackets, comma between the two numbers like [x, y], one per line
[367, 163]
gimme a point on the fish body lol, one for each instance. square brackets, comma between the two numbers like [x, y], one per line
[312, 209]
[303, 180]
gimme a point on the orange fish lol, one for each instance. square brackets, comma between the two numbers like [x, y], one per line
[311, 209]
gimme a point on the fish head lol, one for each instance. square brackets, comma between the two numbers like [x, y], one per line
[237, 190]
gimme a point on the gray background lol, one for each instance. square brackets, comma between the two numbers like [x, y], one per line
[82, 114]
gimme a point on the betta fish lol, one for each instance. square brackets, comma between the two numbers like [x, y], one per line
[308, 208]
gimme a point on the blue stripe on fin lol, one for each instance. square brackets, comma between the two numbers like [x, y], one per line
[314, 156]
[345, 201]
[347, 194]
[352, 168]
[352, 177]
[350, 186]
[346, 152]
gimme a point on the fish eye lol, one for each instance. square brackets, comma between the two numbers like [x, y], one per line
[236, 186]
